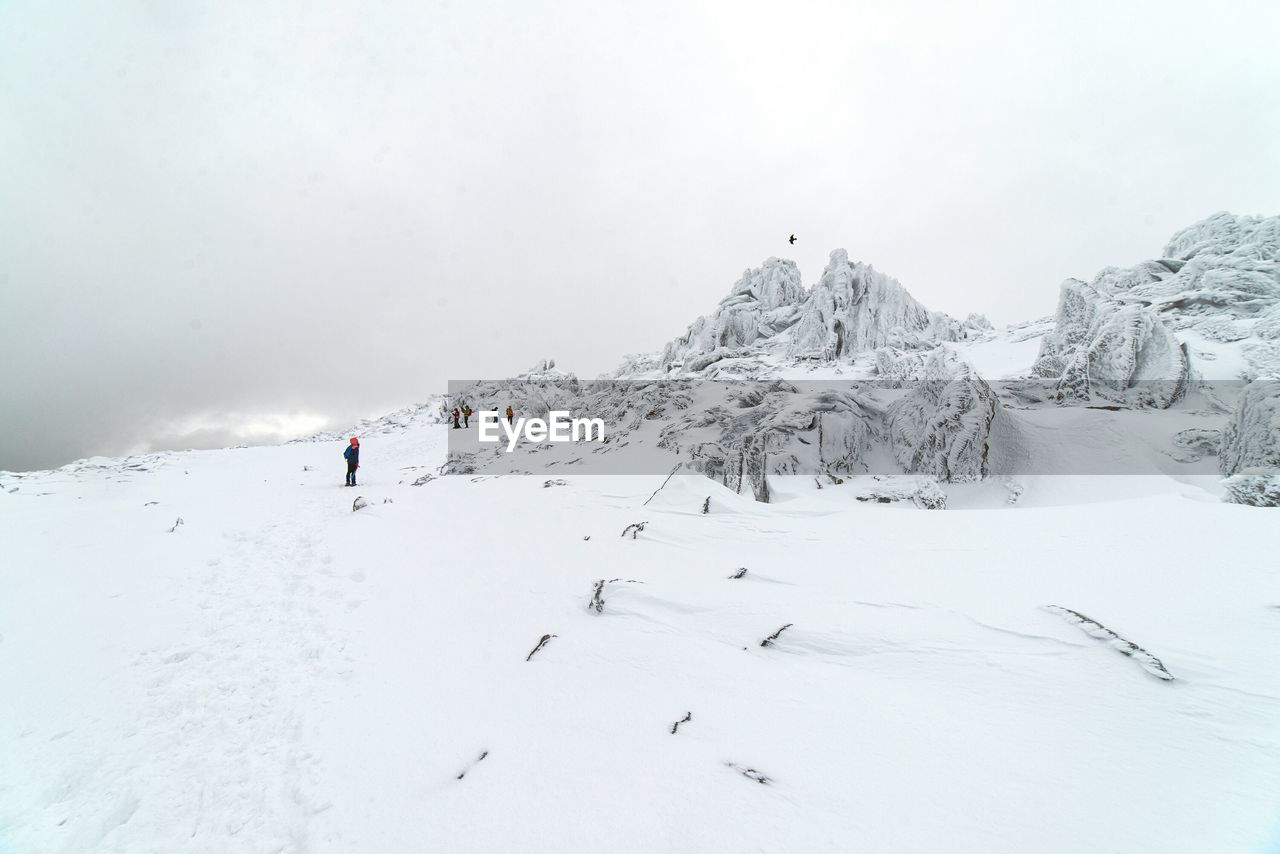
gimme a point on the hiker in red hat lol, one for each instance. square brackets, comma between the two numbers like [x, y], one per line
[352, 456]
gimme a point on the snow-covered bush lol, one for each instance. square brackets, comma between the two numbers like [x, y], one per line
[1257, 490]
[929, 496]
[1251, 439]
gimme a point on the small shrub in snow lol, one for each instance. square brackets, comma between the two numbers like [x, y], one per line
[633, 529]
[359, 504]
[1256, 490]
[597, 598]
[741, 572]
[706, 506]
[929, 496]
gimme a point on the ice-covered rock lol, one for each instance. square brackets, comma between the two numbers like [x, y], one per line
[1102, 347]
[1219, 277]
[1227, 234]
[764, 302]
[853, 308]
[1251, 440]
[943, 427]
[977, 322]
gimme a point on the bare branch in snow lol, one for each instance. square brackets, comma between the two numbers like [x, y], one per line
[1095, 629]
[773, 637]
[664, 483]
[480, 759]
[540, 645]
[749, 773]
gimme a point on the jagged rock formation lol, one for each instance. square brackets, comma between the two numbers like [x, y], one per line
[1219, 277]
[854, 308]
[1122, 353]
[764, 302]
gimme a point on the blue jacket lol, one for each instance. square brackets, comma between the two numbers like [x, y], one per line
[352, 454]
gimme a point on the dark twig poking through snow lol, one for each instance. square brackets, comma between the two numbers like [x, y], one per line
[1095, 629]
[176, 525]
[480, 759]
[359, 504]
[742, 570]
[706, 506]
[688, 716]
[633, 529]
[773, 637]
[749, 773]
[540, 645]
[664, 483]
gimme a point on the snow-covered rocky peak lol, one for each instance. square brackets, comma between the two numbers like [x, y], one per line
[764, 302]
[854, 308]
[1227, 234]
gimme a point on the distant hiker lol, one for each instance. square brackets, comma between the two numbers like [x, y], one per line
[510, 413]
[455, 413]
[466, 416]
[352, 456]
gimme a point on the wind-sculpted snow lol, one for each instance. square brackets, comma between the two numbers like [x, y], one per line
[943, 426]
[1251, 440]
[1100, 347]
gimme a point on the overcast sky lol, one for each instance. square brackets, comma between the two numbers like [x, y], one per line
[229, 221]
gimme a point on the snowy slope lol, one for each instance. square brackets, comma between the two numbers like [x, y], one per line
[279, 673]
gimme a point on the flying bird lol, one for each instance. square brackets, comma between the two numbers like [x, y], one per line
[793, 239]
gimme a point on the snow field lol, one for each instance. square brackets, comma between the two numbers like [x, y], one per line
[282, 674]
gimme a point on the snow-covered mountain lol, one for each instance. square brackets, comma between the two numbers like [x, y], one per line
[855, 376]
